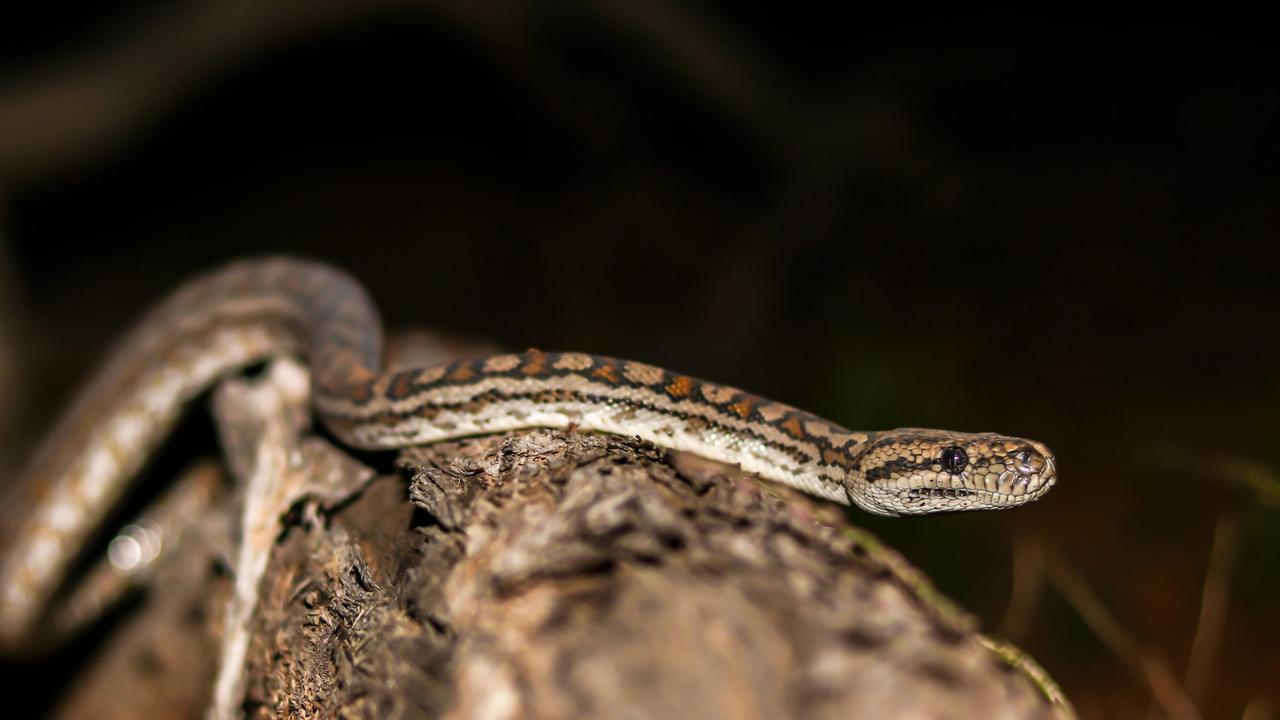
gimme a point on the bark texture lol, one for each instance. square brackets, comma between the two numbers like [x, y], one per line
[559, 574]
[551, 574]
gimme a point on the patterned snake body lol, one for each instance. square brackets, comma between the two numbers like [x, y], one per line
[257, 309]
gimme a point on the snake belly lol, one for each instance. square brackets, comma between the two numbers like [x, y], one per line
[255, 309]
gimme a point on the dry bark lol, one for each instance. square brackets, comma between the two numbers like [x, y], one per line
[562, 574]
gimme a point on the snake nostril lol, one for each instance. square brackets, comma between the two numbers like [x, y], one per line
[1029, 463]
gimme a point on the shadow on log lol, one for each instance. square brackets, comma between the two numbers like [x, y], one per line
[550, 574]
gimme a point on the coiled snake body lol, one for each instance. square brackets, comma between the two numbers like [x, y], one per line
[256, 309]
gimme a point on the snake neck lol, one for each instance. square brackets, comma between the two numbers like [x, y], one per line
[595, 393]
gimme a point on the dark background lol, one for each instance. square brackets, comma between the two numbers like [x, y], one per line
[1052, 229]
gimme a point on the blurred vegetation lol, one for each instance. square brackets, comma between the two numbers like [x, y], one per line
[1057, 230]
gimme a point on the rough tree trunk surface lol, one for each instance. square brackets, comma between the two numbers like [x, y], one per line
[549, 574]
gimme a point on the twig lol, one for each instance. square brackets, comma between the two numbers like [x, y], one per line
[1147, 665]
[1213, 607]
[1258, 478]
[1258, 708]
[1032, 670]
[1028, 586]
[260, 426]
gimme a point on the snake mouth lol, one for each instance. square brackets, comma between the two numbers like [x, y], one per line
[951, 498]
[919, 501]
[931, 493]
[941, 499]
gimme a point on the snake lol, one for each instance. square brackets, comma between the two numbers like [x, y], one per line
[252, 310]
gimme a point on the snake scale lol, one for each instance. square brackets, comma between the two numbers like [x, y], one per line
[255, 309]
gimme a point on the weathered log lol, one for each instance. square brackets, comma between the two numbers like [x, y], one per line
[561, 574]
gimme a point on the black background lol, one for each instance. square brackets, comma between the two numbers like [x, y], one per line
[1048, 228]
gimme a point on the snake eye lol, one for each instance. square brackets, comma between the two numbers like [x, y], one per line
[953, 460]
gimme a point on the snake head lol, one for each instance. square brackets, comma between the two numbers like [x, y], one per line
[912, 471]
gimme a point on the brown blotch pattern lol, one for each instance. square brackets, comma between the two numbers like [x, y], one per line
[792, 425]
[680, 387]
[403, 385]
[462, 373]
[607, 372]
[536, 365]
